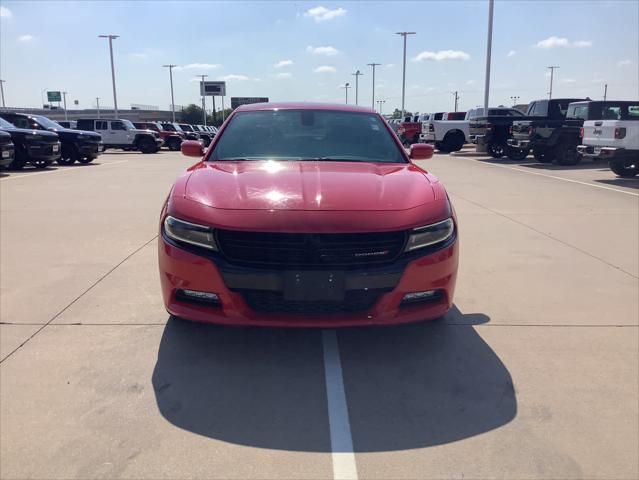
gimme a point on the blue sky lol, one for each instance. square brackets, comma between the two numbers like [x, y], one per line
[306, 50]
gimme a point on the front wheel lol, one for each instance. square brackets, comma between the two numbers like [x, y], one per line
[174, 144]
[85, 160]
[496, 150]
[453, 142]
[516, 154]
[542, 156]
[566, 154]
[624, 167]
[68, 156]
[146, 145]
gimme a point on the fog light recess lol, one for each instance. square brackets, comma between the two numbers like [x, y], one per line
[194, 296]
[421, 297]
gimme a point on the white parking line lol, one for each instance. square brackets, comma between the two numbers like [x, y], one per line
[343, 457]
[552, 176]
[60, 170]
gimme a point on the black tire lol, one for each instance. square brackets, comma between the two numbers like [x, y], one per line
[441, 147]
[18, 163]
[542, 156]
[146, 145]
[625, 167]
[85, 160]
[405, 141]
[517, 154]
[68, 156]
[453, 142]
[566, 154]
[174, 144]
[496, 150]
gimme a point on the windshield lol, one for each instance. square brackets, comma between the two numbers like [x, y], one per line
[5, 124]
[128, 124]
[186, 128]
[46, 123]
[307, 135]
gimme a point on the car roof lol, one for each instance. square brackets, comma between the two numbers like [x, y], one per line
[303, 106]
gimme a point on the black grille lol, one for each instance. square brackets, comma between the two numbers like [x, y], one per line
[273, 302]
[310, 249]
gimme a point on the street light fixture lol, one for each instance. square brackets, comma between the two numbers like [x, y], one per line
[489, 46]
[357, 74]
[170, 67]
[346, 86]
[404, 34]
[115, 98]
[514, 98]
[203, 100]
[381, 103]
[373, 65]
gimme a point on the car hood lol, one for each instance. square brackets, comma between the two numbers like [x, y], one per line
[26, 131]
[333, 186]
[71, 133]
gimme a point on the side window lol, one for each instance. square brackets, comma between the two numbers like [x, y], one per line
[101, 125]
[117, 125]
[21, 122]
[633, 112]
[532, 108]
[611, 113]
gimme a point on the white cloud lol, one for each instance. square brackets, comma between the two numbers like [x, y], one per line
[232, 76]
[193, 80]
[567, 80]
[257, 79]
[5, 12]
[26, 38]
[390, 65]
[283, 63]
[471, 82]
[321, 14]
[138, 55]
[284, 75]
[325, 69]
[624, 63]
[441, 55]
[326, 51]
[512, 53]
[198, 66]
[555, 42]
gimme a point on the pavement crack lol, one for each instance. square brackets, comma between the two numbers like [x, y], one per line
[93, 285]
[503, 215]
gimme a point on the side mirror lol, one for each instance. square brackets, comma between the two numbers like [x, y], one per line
[421, 151]
[192, 148]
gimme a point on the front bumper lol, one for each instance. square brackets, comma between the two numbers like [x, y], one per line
[182, 269]
[6, 154]
[43, 151]
[91, 150]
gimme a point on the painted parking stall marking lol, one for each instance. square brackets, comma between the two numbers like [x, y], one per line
[343, 457]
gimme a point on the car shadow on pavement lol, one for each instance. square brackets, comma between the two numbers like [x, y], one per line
[621, 182]
[406, 387]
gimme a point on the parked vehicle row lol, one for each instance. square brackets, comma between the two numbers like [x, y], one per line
[38, 147]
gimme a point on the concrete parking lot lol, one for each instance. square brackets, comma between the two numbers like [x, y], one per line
[533, 374]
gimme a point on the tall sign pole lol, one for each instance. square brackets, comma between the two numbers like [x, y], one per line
[552, 74]
[404, 34]
[357, 75]
[170, 67]
[489, 45]
[203, 100]
[373, 95]
[115, 97]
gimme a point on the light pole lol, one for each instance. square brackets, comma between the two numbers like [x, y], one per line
[489, 46]
[97, 102]
[64, 97]
[115, 97]
[170, 67]
[605, 91]
[2, 92]
[380, 103]
[552, 74]
[514, 99]
[346, 87]
[404, 34]
[203, 99]
[42, 97]
[373, 65]
[456, 95]
[357, 74]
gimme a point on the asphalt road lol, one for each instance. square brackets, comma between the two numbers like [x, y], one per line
[534, 374]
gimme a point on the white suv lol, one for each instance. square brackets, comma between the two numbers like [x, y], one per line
[121, 133]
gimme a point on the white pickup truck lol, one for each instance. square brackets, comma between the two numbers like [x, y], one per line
[615, 138]
[447, 135]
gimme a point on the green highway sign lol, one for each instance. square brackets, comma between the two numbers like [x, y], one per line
[54, 96]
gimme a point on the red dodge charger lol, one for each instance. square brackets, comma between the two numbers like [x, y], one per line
[305, 215]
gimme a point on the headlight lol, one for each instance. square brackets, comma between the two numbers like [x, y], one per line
[430, 234]
[187, 232]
